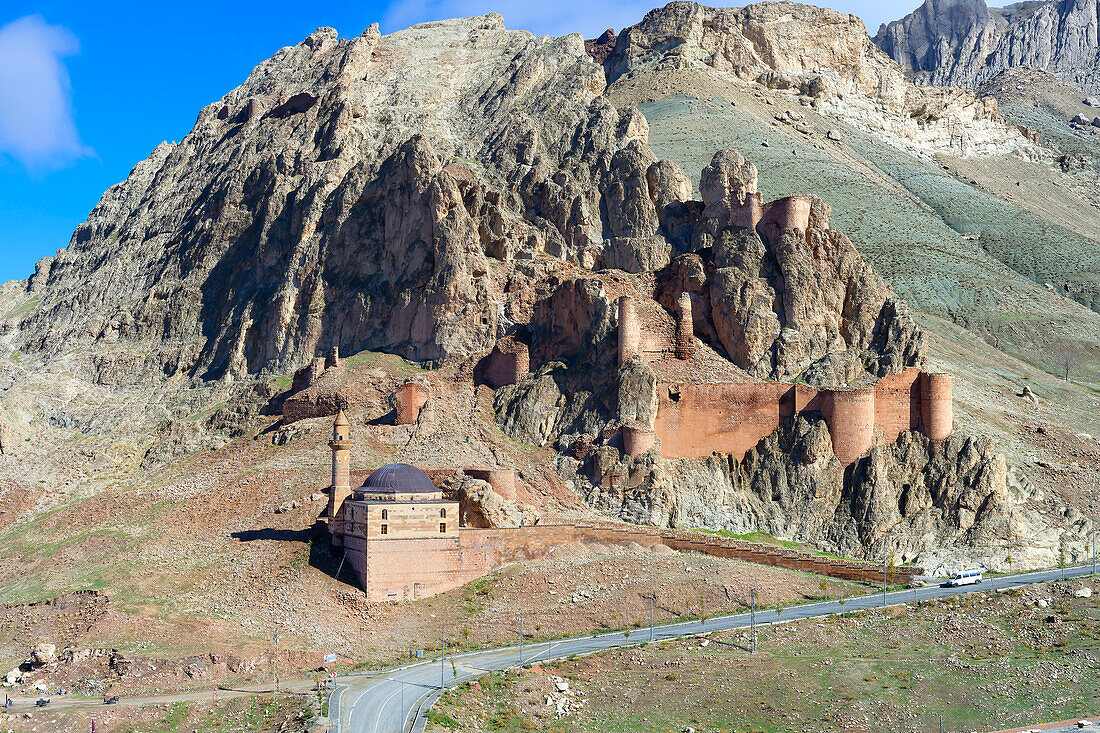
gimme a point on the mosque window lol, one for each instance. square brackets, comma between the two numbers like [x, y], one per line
[442, 513]
[385, 514]
[385, 529]
[442, 527]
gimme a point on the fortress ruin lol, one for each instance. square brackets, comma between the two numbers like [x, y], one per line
[407, 540]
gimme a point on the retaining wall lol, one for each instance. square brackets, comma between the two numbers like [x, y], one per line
[406, 569]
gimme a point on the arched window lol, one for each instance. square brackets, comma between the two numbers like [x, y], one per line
[442, 513]
[385, 514]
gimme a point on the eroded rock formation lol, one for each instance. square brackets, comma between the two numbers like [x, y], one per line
[965, 43]
[937, 504]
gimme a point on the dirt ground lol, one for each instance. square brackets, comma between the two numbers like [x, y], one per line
[982, 661]
[255, 714]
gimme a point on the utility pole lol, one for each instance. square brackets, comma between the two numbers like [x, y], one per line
[651, 587]
[521, 638]
[548, 652]
[941, 724]
[442, 653]
[752, 618]
[885, 559]
[1094, 545]
[275, 663]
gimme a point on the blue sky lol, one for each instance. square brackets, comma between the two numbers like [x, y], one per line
[89, 89]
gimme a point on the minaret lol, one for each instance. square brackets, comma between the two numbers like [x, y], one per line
[341, 473]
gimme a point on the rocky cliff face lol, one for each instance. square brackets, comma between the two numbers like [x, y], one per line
[824, 55]
[429, 192]
[965, 43]
[939, 505]
[350, 193]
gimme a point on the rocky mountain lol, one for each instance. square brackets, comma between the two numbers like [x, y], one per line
[415, 199]
[966, 43]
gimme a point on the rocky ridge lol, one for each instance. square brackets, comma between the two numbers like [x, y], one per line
[430, 192]
[845, 74]
[966, 43]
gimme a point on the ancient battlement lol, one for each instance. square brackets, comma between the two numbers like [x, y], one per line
[409, 400]
[295, 407]
[695, 420]
[308, 375]
[508, 363]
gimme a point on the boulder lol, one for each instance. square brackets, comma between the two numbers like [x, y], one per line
[42, 653]
[483, 507]
[1084, 592]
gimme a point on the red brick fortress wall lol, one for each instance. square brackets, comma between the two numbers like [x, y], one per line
[850, 415]
[695, 420]
[935, 405]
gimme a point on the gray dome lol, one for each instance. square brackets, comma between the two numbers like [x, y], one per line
[398, 478]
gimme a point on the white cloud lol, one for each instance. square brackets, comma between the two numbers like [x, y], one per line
[36, 120]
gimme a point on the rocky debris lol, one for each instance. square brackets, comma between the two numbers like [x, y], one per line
[1074, 162]
[562, 698]
[287, 507]
[43, 653]
[287, 434]
[1084, 592]
[1079, 120]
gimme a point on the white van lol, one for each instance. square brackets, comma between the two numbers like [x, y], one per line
[965, 577]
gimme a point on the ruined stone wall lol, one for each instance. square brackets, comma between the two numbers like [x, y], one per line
[792, 212]
[508, 363]
[443, 563]
[695, 420]
[409, 399]
[630, 335]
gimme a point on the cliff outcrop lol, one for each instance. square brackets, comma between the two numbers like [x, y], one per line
[966, 43]
[821, 54]
[457, 190]
[938, 504]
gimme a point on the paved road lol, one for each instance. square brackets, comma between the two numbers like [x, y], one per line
[394, 702]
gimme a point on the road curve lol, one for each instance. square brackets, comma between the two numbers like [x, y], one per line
[395, 701]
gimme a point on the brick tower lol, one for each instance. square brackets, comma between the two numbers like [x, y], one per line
[341, 475]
